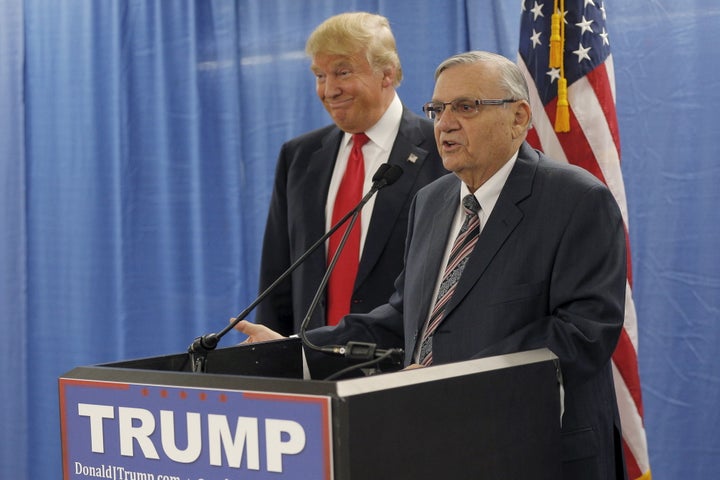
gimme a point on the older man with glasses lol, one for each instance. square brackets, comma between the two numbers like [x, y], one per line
[513, 252]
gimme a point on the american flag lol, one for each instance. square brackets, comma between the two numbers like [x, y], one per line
[582, 129]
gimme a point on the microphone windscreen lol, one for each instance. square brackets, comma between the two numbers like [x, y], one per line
[392, 174]
[380, 172]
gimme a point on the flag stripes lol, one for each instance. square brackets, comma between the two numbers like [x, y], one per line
[593, 142]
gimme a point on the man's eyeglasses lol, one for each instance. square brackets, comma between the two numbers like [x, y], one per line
[462, 107]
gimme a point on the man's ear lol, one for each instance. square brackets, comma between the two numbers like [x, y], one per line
[523, 117]
[388, 77]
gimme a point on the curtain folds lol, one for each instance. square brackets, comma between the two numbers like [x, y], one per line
[14, 373]
[138, 142]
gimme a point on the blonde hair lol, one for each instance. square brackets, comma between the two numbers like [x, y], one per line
[350, 33]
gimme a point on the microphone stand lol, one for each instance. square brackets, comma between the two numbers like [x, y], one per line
[368, 352]
[199, 348]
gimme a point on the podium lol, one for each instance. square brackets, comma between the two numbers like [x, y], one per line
[252, 416]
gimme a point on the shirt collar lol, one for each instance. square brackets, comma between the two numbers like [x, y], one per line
[383, 133]
[489, 192]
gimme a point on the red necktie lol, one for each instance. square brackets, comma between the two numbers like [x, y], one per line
[342, 279]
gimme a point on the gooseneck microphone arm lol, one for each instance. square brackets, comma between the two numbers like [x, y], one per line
[321, 290]
[198, 350]
[352, 350]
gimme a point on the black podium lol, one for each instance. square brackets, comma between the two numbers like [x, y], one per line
[252, 416]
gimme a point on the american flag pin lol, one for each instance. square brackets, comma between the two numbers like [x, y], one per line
[412, 158]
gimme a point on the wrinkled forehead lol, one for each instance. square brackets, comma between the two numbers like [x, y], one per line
[476, 80]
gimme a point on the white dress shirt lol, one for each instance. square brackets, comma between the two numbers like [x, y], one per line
[375, 152]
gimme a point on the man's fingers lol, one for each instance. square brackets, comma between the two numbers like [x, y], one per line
[255, 332]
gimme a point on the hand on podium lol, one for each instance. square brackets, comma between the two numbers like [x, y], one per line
[256, 333]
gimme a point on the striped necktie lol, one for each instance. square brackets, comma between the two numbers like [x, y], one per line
[459, 255]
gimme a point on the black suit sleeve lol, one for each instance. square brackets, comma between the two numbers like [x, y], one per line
[586, 292]
[276, 311]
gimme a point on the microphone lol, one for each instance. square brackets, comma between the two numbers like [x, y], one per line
[353, 350]
[385, 175]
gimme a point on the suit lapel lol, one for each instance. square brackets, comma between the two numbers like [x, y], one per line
[504, 218]
[315, 190]
[435, 249]
[320, 168]
[408, 155]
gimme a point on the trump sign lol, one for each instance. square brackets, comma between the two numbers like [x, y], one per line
[129, 431]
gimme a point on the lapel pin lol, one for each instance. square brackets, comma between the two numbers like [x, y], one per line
[412, 158]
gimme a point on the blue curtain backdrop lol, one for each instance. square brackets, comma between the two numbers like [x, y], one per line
[137, 147]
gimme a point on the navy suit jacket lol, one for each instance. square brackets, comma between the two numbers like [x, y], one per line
[296, 220]
[549, 270]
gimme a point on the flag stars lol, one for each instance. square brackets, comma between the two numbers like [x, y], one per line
[582, 53]
[589, 2]
[535, 38]
[604, 36]
[554, 74]
[564, 16]
[585, 25]
[537, 10]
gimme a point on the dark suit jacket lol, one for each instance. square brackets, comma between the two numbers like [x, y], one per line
[549, 270]
[296, 220]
